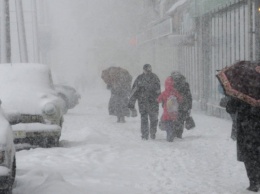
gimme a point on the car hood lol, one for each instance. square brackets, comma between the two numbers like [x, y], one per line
[26, 88]
[28, 101]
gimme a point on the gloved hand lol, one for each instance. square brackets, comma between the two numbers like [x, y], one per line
[130, 106]
[109, 86]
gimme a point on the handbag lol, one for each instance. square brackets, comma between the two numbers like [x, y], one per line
[133, 112]
[189, 123]
[223, 101]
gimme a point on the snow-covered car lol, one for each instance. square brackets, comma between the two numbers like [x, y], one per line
[7, 155]
[27, 88]
[68, 94]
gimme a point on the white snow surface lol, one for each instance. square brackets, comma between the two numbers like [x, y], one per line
[26, 87]
[99, 156]
[4, 130]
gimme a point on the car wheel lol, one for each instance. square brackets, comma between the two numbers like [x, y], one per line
[43, 142]
[11, 180]
[53, 142]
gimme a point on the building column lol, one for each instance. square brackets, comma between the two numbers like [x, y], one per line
[257, 29]
[5, 51]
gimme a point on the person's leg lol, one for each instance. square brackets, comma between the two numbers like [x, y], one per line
[179, 127]
[153, 124]
[144, 126]
[234, 126]
[252, 174]
[170, 131]
[118, 119]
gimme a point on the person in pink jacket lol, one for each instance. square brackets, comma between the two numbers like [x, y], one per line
[170, 98]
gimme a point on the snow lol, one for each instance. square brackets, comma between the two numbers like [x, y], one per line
[25, 88]
[99, 156]
[4, 171]
[175, 6]
[5, 130]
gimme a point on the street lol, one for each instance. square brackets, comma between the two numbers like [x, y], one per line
[99, 156]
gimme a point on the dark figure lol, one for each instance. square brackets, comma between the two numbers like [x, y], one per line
[185, 106]
[170, 99]
[119, 81]
[146, 89]
[119, 100]
[223, 103]
[248, 139]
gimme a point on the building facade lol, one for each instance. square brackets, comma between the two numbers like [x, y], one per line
[197, 38]
[21, 31]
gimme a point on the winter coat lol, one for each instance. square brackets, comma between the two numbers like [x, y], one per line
[248, 129]
[146, 89]
[119, 99]
[169, 90]
[183, 88]
[223, 103]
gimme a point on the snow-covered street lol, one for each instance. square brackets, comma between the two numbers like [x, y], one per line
[99, 156]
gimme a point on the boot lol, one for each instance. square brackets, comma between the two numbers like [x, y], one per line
[152, 136]
[118, 119]
[122, 120]
[253, 187]
[145, 137]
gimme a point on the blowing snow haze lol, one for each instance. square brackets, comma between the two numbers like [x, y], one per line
[88, 36]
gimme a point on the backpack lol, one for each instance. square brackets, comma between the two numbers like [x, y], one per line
[172, 104]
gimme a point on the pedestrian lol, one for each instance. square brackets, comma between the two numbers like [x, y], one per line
[183, 87]
[118, 81]
[248, 138]
[223, 104]
[170, 99]
[145, 90]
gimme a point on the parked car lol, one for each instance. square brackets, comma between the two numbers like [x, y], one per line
[68, 94]
[7, 155]
[28, 89]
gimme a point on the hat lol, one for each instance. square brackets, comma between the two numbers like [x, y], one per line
[177, 76]
[147, 67]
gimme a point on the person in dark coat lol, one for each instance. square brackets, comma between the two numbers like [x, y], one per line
[118, 101]
[248, 139]
[145, 90]
[223, 103]
[185, 106]
[118, 81]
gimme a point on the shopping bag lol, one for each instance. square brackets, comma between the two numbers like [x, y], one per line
[189, 123]
[133, 112]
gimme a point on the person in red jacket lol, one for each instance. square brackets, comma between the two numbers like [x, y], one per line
[170, 98]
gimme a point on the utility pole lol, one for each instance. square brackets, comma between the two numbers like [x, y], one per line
[36, 33]
[21, 31]
[5, 51]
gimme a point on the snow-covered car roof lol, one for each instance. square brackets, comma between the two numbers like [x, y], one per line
[25, 87]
